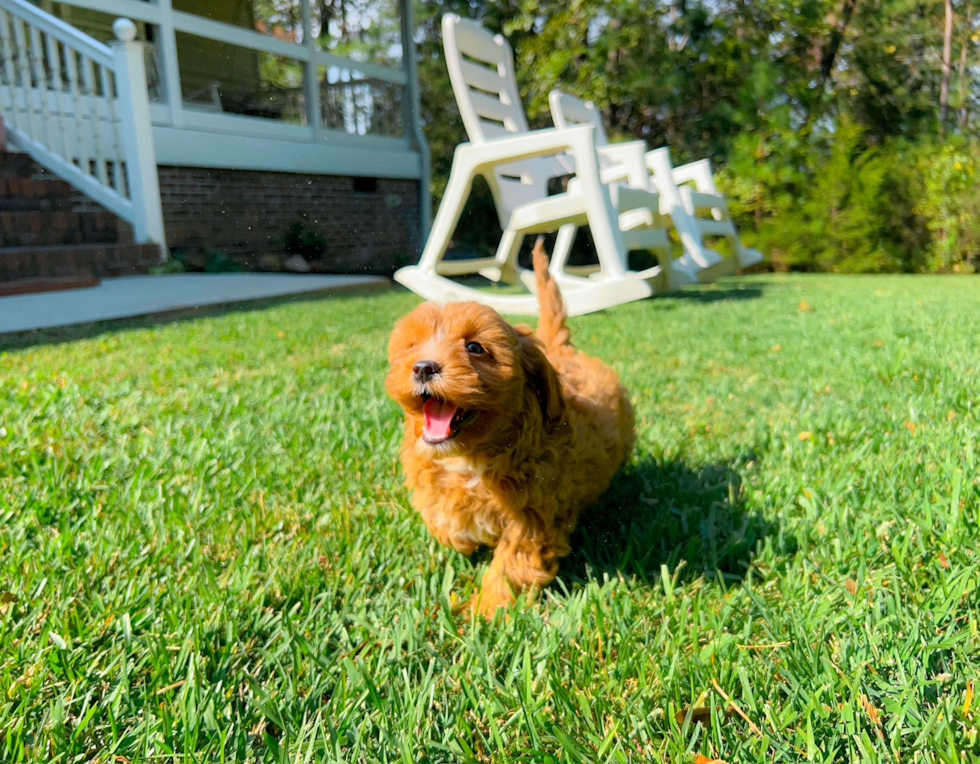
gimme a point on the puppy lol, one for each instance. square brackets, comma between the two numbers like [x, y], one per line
[509, 434]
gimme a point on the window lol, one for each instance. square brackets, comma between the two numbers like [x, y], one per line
[220, 77]
[365, 31]
[359, 105]
[282, 19]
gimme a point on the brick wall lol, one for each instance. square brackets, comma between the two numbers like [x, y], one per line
[369, 226]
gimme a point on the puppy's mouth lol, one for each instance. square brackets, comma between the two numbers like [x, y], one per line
[442, 420]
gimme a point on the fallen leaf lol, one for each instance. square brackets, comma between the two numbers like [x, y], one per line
[6, 598]
[699, 715]
[968, 700]
[872, 712]
[951, 416]
[804, 307]
[851, 585]
[805, 435]
[943, 562]
[702, 759]
[910, 426]
[775, 348]
[879, 343]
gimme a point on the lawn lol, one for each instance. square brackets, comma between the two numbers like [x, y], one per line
[206, 553]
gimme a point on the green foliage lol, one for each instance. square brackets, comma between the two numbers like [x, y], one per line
[197, 261]
[849, 207]
[302, 240]
[820, 116]
[221, 262]
[949, 201]
[170, 265]
[207, 554]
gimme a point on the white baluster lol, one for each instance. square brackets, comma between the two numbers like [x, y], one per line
[23, 70]
[88, 72]
[40, 73]
[9, 104]
[111, 132]
[63, 144]
[80, 153]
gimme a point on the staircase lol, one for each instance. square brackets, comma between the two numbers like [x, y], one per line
[51, 239]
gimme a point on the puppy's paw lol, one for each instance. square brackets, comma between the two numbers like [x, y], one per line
[487, 607]
[494, 593]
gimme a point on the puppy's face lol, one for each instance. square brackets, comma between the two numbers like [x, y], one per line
[457, 372]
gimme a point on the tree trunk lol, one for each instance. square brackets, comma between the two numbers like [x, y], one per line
[945, 69]
[828, 58]
[836, 38]
[962, 82]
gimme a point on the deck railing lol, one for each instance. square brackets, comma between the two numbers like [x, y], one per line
[81, 110]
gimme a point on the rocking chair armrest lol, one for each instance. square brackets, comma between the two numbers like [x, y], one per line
[615, 173]
[699, 172]
[547, 142]
[630, 157]
[624, 153]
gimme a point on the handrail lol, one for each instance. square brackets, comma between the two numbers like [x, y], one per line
[61, 31]
[81, 110]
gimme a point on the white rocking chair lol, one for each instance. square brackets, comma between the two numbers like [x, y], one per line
[517, 164]
[677, 200]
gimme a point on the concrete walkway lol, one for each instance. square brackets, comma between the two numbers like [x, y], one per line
[131, 296]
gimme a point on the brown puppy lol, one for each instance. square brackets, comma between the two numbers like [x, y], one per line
[508, 434]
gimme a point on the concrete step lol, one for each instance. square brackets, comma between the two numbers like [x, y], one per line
[34, 188]
[33, 286]
[38, 204]
[16, 165]
[46, 229]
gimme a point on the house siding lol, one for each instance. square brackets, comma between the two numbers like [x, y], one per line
[369, 226]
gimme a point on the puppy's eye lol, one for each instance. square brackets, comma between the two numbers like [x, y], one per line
[475, 348]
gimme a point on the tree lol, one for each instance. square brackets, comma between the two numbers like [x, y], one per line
[946, 64]
[777, 93]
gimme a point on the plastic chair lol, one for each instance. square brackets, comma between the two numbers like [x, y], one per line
[518, 164]
[683, 204]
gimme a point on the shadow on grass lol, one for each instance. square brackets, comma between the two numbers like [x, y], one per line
[727, 290]
[62, 334]
[667, 514]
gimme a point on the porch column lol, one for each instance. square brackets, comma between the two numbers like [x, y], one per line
[412, 114]
[311, 83]
[136, 132]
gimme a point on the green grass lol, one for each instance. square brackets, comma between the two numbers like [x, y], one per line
[206, 553]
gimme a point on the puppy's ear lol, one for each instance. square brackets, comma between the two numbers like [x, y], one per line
[542, 379]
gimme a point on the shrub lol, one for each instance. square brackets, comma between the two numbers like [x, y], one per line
[833, 202]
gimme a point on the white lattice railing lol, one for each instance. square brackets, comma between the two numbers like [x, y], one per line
[81, 110]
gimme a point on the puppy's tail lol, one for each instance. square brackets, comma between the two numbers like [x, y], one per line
[552, 330]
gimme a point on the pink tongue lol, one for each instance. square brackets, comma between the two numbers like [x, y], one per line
[438, 418]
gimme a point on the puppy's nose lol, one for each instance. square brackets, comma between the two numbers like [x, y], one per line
[425, 370]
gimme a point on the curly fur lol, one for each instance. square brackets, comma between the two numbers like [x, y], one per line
[549, 428]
